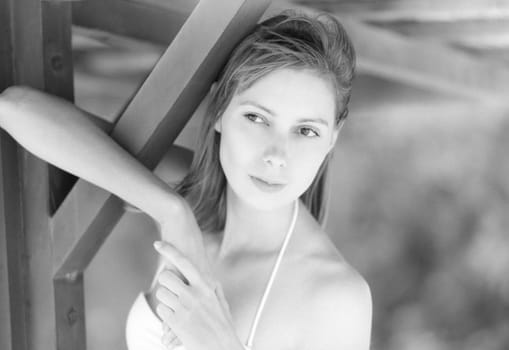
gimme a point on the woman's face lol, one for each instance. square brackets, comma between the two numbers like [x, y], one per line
[275, 135]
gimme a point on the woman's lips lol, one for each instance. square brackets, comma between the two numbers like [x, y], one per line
[266, 186]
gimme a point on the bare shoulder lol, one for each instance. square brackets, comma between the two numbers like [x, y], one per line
[340, 306]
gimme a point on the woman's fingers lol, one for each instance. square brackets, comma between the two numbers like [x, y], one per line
[169, 339]
[222, 298]
[168, 298]
[166, 314]
[183, 264]
[172, 282]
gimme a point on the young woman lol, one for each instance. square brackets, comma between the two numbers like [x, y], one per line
[245, 262]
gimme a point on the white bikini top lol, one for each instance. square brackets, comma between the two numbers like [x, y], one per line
[144, 329]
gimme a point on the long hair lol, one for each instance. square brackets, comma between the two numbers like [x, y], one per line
[288, 40]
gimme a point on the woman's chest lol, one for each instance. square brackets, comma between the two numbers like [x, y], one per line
[277, 321]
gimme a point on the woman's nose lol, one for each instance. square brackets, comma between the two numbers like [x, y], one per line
[276, 155]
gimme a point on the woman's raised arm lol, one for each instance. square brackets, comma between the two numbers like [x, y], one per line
[62, 134]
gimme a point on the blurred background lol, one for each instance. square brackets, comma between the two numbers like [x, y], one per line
[420, 196]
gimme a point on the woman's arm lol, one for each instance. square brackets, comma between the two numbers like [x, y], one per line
[61, 134]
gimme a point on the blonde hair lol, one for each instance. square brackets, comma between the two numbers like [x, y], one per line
[288, 40]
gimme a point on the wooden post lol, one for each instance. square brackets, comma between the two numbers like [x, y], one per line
[58, 78]
[35, 50]
[13, 332]
[21, 54]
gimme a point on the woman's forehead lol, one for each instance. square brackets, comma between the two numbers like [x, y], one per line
[291, 91]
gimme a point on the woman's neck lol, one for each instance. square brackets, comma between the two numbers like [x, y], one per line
[252, 229]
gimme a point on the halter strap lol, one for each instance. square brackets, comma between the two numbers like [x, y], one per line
[249, 343]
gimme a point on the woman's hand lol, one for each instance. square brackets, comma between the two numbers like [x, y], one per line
[194, 307]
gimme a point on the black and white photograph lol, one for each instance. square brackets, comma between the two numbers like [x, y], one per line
[254, 174]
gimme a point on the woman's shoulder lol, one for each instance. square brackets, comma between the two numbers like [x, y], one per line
[328, 269]
[339, 297]
[340, 309]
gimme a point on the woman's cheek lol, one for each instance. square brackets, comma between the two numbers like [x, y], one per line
[307, 161]
[239, 145]
[249, 142]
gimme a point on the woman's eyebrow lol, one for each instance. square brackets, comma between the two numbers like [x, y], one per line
[269, 111]
[257, 105]
[314, 120]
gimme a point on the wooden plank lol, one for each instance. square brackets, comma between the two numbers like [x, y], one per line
[67, 294]
[35, 39]
[128, 18]
[58, 77]
[391, 10]
[166, 101]
[427, 65]
[58, 67]
[10, 205]
[70, 312]
[6, 64]
[38, 244]
[13, 329]
[21, 54]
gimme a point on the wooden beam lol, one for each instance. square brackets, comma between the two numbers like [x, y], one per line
[24, 266]
[128, 18]
[37, 53]
[392, 10]
[154, 118]
[59, 81]
[67, 293]
[70, 312]
[428, 65]
[13, 327]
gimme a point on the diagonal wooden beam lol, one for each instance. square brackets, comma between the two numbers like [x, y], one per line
[428, 65]
[153, 119]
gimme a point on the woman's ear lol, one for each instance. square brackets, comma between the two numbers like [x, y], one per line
[212, 90]
[217, 125]
[335, 134]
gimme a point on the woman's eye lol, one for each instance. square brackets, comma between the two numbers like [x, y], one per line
[254, 118]
[308, 132]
